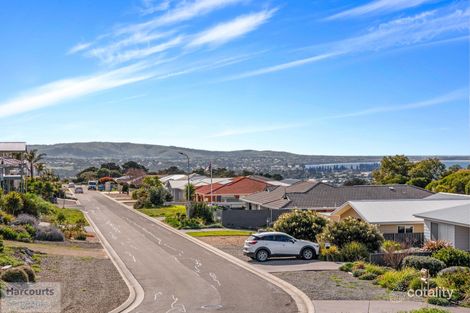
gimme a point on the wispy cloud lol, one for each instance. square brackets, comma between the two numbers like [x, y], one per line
[378, 7]
[152, 6]
[456, 95]
[227, 31]
[68, 89]
[422, 28]
[247, 130]
[79, 47]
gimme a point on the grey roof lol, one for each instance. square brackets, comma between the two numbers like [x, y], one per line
[311, 194]
[398, 211]
[448, 196]
[290, 181]
[12, 146]
[457, 215]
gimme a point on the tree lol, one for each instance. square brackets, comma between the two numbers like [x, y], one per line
[393, 170]
[40, 167]
[355, 181]
[425, 171]
[33, 157]
[111, 166]
[452, 169]
[132, 164]
[172, 170]
[192, 191]
[103, 172]
[277, 177]
[301, 224]
[458, 182]
[13, 203]
[151, 181]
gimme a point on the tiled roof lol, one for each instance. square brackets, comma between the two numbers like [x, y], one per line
[308, 194]
[238, 186]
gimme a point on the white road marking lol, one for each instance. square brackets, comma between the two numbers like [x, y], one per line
[180, 307]
[214, 278]
[158, 293]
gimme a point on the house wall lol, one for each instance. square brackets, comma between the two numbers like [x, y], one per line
[446, 232]
[349, 213]
[462, 237]
[393, 228]
[427, 230]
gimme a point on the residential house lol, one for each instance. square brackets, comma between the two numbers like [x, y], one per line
[230, 193]
[403, 220]
[13, 166]
[176, 185]
[451, 224]
[324, 197]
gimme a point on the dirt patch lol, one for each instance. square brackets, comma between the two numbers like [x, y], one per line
[88, 285]
[231, 244]
[338, 285]
[67, 248]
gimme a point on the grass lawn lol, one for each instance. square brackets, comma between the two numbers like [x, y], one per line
[165, 211]
[210, 233]
[71, 215]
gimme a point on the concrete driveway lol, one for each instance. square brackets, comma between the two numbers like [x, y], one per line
[294, 265]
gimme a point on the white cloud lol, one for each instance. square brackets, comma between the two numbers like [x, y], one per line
[68, 89]
[378, 6]
[425, 27]
[79, 47]
[235, 28]
[150, 6]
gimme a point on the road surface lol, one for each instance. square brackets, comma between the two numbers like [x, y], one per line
[176, 274]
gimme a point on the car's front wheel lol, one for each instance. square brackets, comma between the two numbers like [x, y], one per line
[308, 254]
[262, 255]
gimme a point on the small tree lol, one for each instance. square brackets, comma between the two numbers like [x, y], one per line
[301, 224]
[13, 203]
[351, 229]
[192, 191]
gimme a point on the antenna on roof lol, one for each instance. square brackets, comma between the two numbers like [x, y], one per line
[391, 188]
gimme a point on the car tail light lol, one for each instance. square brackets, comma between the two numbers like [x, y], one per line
[251, 242]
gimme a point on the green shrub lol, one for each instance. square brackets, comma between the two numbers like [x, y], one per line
[354, 251]
[203, 211]
[23, 236]
[358, 272]
[433, 265]
[375, 269]
[346, 267]
[29, 272]
[368, 276]
[80, 236]
[438, 301]
[359, 265]
[453, 257]
[192, 223]
[13, 203]
[14, 275]
[351, 229]
[453, 269]
[435, 245]
[8, 233]
[49, 233]
[5, 218]
[398, 280]
[301, 224]
[2, 247]
[31, 230]
[330, 254]
[416, 283]
[458, 280]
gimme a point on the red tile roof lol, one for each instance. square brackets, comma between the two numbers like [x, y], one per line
[238, 186]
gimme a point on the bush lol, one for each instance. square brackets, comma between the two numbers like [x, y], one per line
[2, 247]
[435, 245]
[29, 272]
[49, 233]
[15, 275]
[351, 229]
[419, 262]
[354, 251]
[80, 236]
[415, 283]
[25, 219]
[23, 236]
[330, 254]
[438, 301]
[301, 224]
[458, 280]
[346, 267]
[13, 203]
[453, 257]
[368, 276]
[453, 269]
[358, 272]
[359, 265]
[375, 269]
[390, 246]
[203, 211]
[398, 280]
[5, 218]
[8, 233]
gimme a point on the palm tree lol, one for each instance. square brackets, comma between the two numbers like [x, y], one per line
[33, 157]
[40, 167]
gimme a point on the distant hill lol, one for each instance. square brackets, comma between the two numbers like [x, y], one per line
[69, 158]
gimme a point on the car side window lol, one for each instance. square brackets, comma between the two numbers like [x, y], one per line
[268, 238]
[282, 238]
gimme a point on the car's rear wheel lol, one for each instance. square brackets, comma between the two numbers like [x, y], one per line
[262, 255]
[308, 254]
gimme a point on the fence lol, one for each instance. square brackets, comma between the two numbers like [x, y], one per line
[250, 219]
[411, 239]
[379, 258]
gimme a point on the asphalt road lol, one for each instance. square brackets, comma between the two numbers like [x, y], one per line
[176, 274]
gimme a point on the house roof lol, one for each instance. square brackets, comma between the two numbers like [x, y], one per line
[12, 146]
[313, 194]
[397, 211]
[173, 177]
[242, 185]
[457, 215]
[448, 196]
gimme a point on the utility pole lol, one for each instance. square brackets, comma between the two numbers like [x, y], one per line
[187, 187]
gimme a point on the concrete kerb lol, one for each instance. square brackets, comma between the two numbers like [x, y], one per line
[304, 304]
[136, 292]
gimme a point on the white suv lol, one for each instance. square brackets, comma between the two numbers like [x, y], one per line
[262, 246]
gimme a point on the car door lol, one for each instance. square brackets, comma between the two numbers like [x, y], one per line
[288, 246]
[269, 242]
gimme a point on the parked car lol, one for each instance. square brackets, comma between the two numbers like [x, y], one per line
[262, 246]
[92, 185]
[71, 185]
[78, 190]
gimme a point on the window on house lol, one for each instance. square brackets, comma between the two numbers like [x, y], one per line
[403, 229]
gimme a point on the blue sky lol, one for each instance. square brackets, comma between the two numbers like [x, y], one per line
[316, 77]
